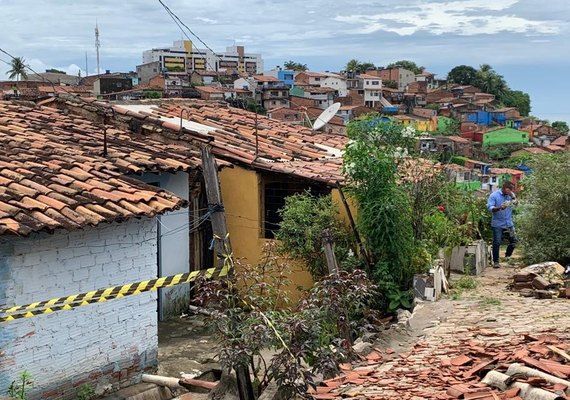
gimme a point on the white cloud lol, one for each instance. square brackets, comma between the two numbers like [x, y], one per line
[206, 20]
[470, 17]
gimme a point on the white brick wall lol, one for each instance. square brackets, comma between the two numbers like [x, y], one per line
[111, 340]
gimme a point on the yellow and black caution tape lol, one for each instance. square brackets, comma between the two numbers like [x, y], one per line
[102, 295]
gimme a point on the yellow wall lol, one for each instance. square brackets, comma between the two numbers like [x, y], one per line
[242, 197]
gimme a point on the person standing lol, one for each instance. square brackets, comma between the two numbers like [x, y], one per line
[500, 205]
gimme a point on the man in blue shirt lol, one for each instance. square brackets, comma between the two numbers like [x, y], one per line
[500, 204]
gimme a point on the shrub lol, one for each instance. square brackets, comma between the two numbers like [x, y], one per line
[305, 218]
[544, 215]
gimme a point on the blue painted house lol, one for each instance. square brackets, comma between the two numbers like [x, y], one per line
[287, 76]
[479, 117]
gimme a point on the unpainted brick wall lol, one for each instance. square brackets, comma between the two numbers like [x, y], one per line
[105, 345]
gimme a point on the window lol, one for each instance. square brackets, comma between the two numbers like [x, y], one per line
[375, 83]
[276, 189]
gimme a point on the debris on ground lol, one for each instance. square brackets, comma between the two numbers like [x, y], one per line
[530, 366]
[542, 281]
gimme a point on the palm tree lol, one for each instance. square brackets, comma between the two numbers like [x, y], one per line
[18, 70]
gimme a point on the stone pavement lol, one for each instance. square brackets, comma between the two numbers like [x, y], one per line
[486, 323]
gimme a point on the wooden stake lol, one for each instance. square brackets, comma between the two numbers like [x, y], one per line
[363, 251]
[222, 246]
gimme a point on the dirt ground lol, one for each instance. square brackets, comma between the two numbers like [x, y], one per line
[185, 346]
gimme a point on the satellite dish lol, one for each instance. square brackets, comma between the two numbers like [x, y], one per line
[326, 116]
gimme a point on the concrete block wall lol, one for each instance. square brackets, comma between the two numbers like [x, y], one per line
[105, 345]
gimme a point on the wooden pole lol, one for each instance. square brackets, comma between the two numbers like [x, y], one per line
[222, 246]
[363, 251]
[342, 322]
[329, 253]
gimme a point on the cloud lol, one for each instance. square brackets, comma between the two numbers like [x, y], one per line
[206, 20]
[467, 18]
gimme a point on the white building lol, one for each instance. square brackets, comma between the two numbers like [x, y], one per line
[336, 82]
[372, 86]
[183, 57]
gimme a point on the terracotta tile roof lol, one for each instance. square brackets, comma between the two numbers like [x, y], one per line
[213, 89]
[266, 78]
[52, 174]
[560, 141]
[232, 132]
[509, 171]
[371, 77]
[532, 150]
[317, 89]
[458, 139]
[554, 148]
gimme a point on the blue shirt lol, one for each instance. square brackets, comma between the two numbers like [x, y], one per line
[501, 218]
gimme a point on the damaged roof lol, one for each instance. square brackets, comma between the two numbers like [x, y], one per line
[243, 138]
[53, 173]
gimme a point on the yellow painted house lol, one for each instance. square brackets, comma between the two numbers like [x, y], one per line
[269, 159]
[420, 124]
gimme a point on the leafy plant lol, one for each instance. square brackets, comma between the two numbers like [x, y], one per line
[300, 235]
[399, 299]
[466, 283]
[371, 160]
[18, 388]
[247, 319]
[544, 212]
[86, 392]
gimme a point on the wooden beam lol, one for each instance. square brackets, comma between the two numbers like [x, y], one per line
[222, 246]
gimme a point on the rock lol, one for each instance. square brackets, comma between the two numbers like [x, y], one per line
[272, 392]
[226, 389]
[362, 348]
[403, 316]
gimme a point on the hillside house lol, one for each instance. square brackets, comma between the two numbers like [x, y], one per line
[504, 135]
[270, 159]
[76, 216]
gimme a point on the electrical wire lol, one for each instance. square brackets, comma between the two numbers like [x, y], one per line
[180, 25]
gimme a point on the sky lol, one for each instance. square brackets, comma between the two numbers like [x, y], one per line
[526, 41]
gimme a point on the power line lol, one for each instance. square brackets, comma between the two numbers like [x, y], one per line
[180, 25]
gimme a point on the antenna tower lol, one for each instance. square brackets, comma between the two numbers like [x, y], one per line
[97, 45]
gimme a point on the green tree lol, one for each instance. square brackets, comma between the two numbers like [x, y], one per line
[300, 234]
[490, 81]
[406, 64]
[518, 99]
[561, 126]
[295, 66]
[462, 75]
[390, 84]
[358, 67]
[18, 69]
[544, 214]
[384, 207]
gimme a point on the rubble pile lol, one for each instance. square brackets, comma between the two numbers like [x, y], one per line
[523, 367]
[542, 281]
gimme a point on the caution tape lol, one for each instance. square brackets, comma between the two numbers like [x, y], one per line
[102, 295]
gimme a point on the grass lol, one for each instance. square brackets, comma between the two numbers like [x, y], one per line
[464, 283]
[490, 301]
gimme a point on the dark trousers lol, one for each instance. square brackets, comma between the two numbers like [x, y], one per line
[497, 239]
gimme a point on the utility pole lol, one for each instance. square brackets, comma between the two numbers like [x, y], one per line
[97, 45]
[86, 65]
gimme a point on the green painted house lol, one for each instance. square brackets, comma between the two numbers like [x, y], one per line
[504, 135]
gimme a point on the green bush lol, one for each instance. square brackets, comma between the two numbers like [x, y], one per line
[300, 235]
[544, 215]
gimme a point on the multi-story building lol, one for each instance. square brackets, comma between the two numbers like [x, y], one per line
[324, 80]
[372, 87]
[287, 76]
[268, 91]
[184, 58]
[403, 77]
